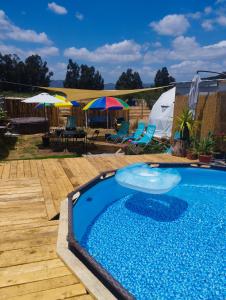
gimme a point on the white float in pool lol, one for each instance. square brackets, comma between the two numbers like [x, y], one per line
[143, 178]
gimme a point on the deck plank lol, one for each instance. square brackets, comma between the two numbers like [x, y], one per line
[30, 195]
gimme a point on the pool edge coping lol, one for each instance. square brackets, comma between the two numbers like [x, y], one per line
[77, 267]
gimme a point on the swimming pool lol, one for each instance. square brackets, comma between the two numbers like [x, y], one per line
[168, 246]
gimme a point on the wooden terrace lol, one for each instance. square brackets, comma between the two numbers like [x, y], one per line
[30, 195]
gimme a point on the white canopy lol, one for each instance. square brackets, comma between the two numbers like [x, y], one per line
[44, 98]
[162, 114]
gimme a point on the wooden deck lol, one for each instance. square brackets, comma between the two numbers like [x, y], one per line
[30, 195]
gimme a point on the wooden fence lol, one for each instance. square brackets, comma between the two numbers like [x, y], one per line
[81, 115]
[17, 109]
[210, 112]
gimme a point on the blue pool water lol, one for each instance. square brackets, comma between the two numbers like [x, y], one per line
[168, 246]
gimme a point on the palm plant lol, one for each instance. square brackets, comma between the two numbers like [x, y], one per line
[185, 124]
[206, 145]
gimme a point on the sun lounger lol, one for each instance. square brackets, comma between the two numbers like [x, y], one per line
[121, 134]
[137, 134]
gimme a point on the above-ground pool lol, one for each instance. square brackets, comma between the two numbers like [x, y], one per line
[168, 246]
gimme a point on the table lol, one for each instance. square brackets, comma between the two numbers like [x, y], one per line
[63, 137]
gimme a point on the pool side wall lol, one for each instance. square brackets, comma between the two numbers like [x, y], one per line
[113, 285]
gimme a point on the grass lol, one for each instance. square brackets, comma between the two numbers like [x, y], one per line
[27, 147]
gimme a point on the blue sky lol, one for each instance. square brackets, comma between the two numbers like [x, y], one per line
[114, 35]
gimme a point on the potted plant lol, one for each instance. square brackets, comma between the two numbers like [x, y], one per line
[185, 124]
[206, 146]
[192, 151]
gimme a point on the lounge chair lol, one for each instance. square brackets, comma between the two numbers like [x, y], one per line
[137, 134]
[139, 145]
[121, 134]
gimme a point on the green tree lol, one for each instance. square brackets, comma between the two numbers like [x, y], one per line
[129, 80]
[90, 78]
[98, 81]
[8, 70]
[163, 78]
[37, 71]
[72, 75]
[83, 77]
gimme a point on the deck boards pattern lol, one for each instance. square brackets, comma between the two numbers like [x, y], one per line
[30, 195]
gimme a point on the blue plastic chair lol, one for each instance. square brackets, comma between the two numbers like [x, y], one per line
[137, 134]
[71, 123]
[122, 133]
[138, 146]
[148, 136]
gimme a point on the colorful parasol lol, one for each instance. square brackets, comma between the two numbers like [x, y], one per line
[107, 103]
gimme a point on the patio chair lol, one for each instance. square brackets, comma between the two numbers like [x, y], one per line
[122, 133]
[71, 123]
[139, 145]
[137, 134]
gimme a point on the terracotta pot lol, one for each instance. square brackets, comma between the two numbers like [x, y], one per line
[205, 158]
[191, 156]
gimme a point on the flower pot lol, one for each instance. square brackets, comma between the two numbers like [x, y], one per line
[205, 158]
[191, 156]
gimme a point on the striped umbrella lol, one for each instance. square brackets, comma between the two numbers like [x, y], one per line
[106, 103]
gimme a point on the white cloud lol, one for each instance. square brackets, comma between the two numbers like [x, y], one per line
[125, 51]
[9, 49]
[9, 31]
[172, 25]
[58, 9]
[46, 51]
[208, 10]
[187, 49]
[220, 1]
[156, 44]
[197, 15]
[79, 16]
[59, 69]
[208, 25]
[22, 53]
[221, 20]
[186, 69]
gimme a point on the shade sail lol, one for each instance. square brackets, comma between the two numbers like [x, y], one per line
[80, 94]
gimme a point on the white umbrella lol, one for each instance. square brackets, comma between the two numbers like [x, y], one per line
[43, 98]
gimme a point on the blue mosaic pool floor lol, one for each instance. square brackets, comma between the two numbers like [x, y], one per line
[164, 246]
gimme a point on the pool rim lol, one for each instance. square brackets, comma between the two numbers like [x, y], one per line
[114, 286]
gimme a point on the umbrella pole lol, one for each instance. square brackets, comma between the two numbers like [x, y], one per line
[86, 118]
[107, 118]
[45, 115]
